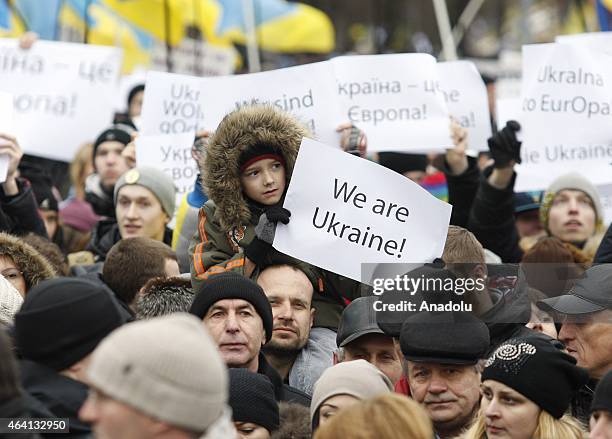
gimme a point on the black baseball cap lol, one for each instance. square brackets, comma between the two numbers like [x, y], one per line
[590, 294]
[526, 201]
[358, 319]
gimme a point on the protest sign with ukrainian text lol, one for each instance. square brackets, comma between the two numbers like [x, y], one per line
[63, 93]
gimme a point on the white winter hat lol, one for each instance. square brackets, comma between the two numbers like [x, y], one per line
[10, 301]
[166, 367]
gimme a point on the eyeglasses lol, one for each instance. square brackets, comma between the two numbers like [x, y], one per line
[12, 274]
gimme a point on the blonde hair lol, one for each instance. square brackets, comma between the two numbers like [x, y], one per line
[548, 427]
[389, 416]
[82, 160]
[462, 251]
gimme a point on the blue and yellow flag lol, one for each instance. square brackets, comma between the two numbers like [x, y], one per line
[604, 14]
[138, 26]
[281, 26]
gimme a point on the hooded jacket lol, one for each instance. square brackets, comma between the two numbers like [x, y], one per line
[226, 222]
[31, 263]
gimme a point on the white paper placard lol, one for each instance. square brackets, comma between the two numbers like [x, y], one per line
[340, 220]
[63, 93]
[393, 98]
[566, 113]
[178, 103]
[600, 41]
[465, 94]
[172, 154]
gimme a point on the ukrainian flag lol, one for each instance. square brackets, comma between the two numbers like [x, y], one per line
[604, 14]
[281, 26]
[137, 25]
[11, 25]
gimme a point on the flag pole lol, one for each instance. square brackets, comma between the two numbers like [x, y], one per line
[249, 25]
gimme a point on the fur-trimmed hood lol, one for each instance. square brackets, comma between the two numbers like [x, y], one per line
[34, 266]
[239, 130]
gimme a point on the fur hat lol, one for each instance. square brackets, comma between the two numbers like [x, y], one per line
[239, 131]
[31, 263]
[161, 296]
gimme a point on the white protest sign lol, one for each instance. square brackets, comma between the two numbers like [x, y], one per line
[566, 112]
[172, 104]
[178, 103]
[600, 41]
[508, 109]
[172, 154]
[6, 127]
[465, 94]
[340, 220]
[63, 93]
[394, 100]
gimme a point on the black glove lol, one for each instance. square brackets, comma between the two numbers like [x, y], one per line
[265, 229]
[504, 145]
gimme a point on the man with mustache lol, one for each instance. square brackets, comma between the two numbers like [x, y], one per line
[238, 316]
[443, 352]
[299, 354]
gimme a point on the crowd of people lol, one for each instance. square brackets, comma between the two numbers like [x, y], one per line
[134, 316]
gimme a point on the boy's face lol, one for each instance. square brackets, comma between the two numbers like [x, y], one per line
[264, 181]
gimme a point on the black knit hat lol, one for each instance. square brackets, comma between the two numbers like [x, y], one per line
[116, 133]
[231, 285]
[538, 370]
[251, 398]
[602, 400]
[63, 319]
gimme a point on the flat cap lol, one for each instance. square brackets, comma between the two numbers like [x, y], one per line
[444, 337]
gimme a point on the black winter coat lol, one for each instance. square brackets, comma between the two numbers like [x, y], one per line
[19, 213]
[62, 396]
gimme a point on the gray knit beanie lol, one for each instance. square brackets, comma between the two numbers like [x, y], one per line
[357, 378]
[166, 367]
[576, 181]
[153, 179]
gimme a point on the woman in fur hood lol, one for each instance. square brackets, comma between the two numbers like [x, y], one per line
[21, 264]
[245, 172]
